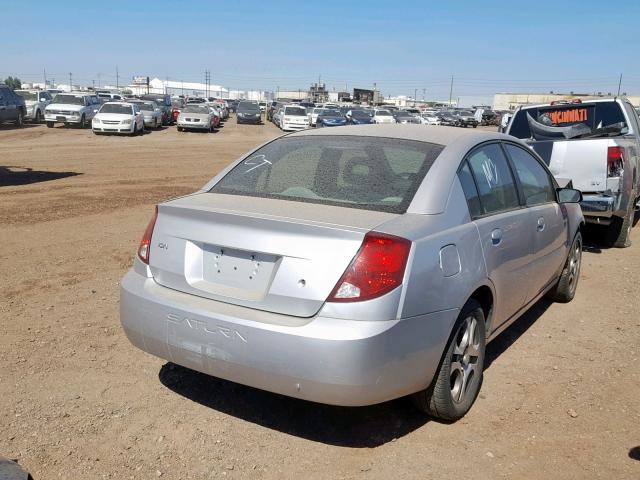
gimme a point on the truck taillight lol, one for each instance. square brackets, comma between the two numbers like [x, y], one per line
[145, 243]
[615, 161]
[377, 268]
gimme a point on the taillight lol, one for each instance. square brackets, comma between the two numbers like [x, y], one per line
[377, 268]
[615, 161]
[145, 243]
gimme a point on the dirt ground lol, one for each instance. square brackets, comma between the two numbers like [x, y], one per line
[77, 400]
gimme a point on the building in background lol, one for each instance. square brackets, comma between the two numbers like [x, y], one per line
[142, 85]
[362, 95]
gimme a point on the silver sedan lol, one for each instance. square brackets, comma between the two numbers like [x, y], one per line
[354, 265]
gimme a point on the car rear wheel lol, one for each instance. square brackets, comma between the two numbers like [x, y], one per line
[38, 117]
[49, 124]
[180, 129]
[20, 120]
[459, 378]
[620, 228]
[83, 122]
[565, 289]
[135, 130]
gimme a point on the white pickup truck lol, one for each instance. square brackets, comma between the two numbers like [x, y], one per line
[595, 144]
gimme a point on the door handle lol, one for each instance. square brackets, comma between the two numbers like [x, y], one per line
[540, 226]
[496, 237]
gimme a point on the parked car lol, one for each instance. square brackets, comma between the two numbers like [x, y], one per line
[359, 117]
[35, 103]
[217, 115]
[596, 145]
[151, 112]
[164, 103]
[430, 117]
[263, 106]
[249, 112]
[293, 117]
[72, 109]
[448, 118]
[381, 271]
[466, 118]
[118, 117]
[196, 117]
[176, 105]
[277, 115]
[12, 106]
[271, 110]
[107, 96]
[313, 115]
[383, 116]
[404, 117]
[330, 118]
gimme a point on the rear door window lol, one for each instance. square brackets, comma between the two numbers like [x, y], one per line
[494, 179]
[535, 182]
[470, 190]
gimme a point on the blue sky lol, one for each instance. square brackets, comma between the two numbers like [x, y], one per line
[488, 46]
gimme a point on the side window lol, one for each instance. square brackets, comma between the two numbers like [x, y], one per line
[493, 178]
[534, 179]
[470, 190]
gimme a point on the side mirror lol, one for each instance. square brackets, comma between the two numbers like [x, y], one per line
[569, 195]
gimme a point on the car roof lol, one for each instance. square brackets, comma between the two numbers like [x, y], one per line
[422, 133]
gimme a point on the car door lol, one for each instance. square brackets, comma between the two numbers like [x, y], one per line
[548, 221]
[502, 225]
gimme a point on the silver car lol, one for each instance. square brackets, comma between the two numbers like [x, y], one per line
[152, 113]
[354, 265]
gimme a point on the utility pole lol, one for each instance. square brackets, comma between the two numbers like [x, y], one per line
[619, 84]
[117, 78]
[415, 94]
[98, 80]
[44, 73]
[70, 83]
[424, 95]
[451, 90]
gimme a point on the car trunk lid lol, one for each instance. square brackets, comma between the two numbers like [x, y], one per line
[273, 255]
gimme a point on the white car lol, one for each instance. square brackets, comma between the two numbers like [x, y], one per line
[430, 118]
[119, 117]
[383, 116]
[293, 118]
[36, 102]
[72, 108]
[313, 116]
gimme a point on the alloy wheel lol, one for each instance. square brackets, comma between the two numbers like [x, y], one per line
[464, 358]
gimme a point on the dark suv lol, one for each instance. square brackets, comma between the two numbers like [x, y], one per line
[12, 107]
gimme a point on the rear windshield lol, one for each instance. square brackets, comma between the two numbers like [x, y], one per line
[584, 117]
[195, 109]
[69, 99]
[369, 173]
[116, 108]
[382, 113]
[248, 107]
[295, 111]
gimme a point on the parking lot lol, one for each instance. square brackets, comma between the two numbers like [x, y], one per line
[79, 401]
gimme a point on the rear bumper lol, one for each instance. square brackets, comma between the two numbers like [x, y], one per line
[598, 208]
[327, 360]
[194, 126]
[294, 126]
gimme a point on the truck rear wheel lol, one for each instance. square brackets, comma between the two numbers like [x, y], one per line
[619, 234]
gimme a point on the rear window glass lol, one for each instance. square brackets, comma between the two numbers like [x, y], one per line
[586, 116]
[369, 173]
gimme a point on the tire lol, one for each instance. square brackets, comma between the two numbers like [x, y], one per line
[38, 117]
[451, 395]
[619, 233]
[180, 129]
[20, 120]
[49, 124]
[83, 122]
[565, 289]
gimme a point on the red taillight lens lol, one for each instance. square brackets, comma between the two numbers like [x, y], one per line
[145, 243]
[377, 268]
[615, 161]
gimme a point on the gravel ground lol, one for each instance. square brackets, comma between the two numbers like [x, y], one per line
[560, 397]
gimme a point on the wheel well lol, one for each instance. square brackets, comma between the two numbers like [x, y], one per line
[484, 297]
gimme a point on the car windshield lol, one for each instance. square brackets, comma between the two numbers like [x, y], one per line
[383, 113]
[69, 99]
[195, 109]
[27, 95]
[370, 173]
[295, 111]
[116, 108]
[568, 120]
[248, 107]
[360, 114]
